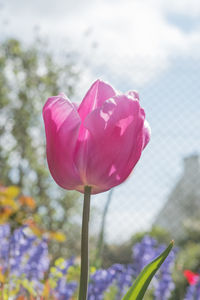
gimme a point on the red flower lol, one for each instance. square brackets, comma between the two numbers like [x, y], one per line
[191, 277]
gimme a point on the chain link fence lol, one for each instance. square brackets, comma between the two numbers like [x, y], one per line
[163, 189]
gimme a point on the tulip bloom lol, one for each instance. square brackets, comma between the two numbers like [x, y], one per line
[99, 142]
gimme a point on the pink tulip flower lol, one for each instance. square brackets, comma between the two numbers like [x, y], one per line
[97, 143]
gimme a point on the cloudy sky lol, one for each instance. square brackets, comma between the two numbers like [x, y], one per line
[149, 45]
[134, 34]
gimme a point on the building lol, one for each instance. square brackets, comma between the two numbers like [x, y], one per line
[184, 201]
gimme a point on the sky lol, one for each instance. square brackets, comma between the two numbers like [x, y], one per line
[149, 30]
[152, 46]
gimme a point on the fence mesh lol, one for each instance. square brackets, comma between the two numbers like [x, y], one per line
[163, 189]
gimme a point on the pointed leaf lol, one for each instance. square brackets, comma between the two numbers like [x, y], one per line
[139, 287]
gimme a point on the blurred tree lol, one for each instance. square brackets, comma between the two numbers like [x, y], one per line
[122, 253]
[189, 254]
[28, 76]
[188, 258]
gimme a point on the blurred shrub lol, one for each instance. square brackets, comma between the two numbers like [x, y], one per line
[122, 253]
[17, 210]
[28, 269]
[29, 75]
[26, 272]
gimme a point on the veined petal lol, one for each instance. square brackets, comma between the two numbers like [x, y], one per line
[62, 124]
[115, 144]
[95, 97]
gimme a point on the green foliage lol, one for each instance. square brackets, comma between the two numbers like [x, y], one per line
[123, 253]
[29, 75]
[187, 258]
[192, 230]
[140, 285]
[160, 234]
[111, 293]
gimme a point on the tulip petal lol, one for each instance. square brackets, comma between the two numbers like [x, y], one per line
[147, 133]
[117, 137]
[95, 97]
[134, 94]
[62, 124]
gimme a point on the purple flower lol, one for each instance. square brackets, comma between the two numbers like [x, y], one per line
[190, 292]
[193, 290]
[164, 284]
[65, 290]
[143, 253]
[99, 283]
[28, 257]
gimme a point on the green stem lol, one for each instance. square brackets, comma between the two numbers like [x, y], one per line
[100, 243]
[84, 245]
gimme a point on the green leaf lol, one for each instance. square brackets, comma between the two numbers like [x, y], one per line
[139, 287]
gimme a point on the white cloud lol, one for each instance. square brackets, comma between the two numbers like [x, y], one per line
[185, 7]
[135, 40]
[134, 36]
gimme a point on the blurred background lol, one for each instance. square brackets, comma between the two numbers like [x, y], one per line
[149, 46]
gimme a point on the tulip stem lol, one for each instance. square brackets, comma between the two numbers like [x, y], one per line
[84, 245]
